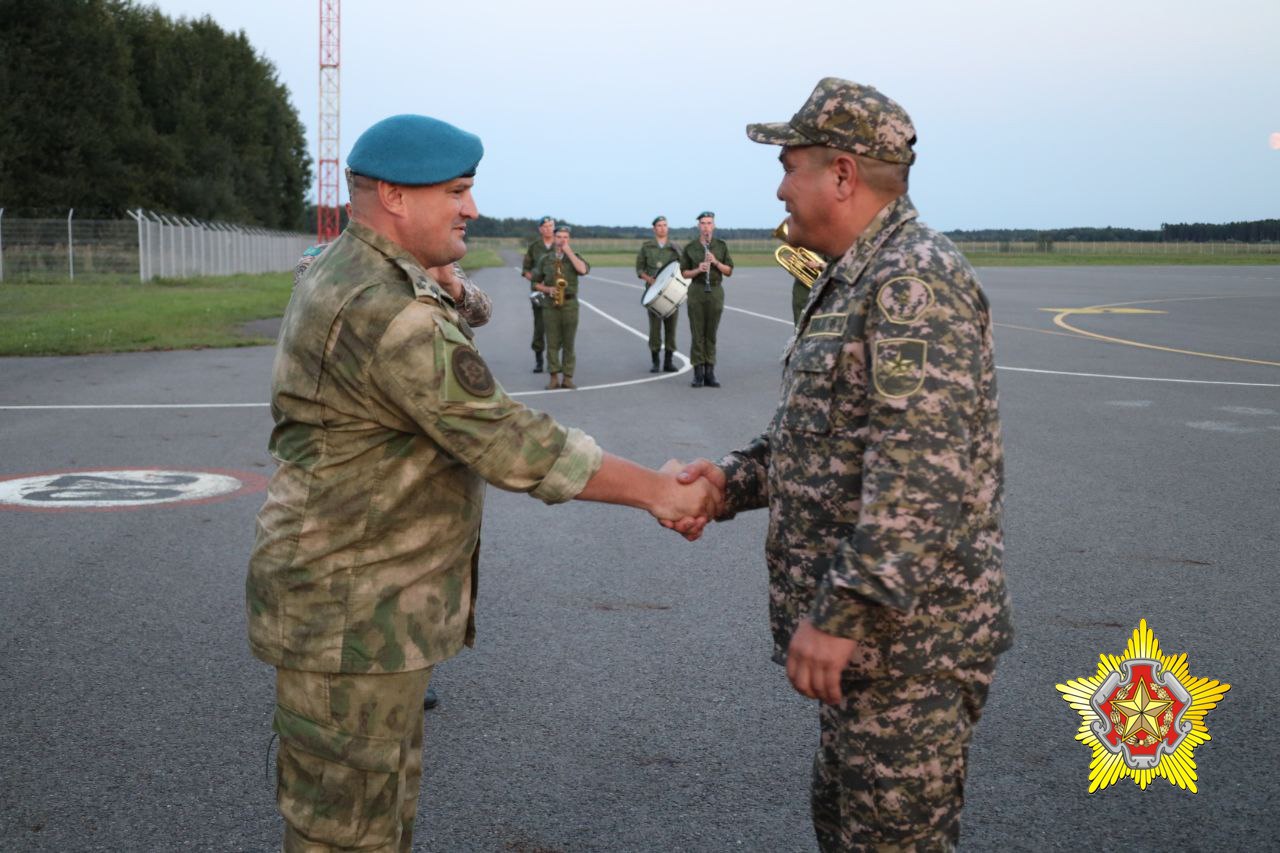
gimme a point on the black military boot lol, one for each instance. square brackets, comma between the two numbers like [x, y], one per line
[668, 362]
[709, 376]
[654, 369]
[537, 361]
[697, 377]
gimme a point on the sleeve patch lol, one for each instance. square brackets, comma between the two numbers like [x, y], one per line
[897, 366]
[904, 300]
[472, 373]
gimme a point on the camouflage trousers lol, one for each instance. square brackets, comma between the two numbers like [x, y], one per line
[350, 761]
[889, 772]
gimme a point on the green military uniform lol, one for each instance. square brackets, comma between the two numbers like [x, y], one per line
[799, 297]
[562, 322]
[649, 261]
[363, 572]
[706, 298]
[532, 256]
[899, 546]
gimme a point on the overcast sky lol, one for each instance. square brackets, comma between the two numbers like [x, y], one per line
[1126, 113]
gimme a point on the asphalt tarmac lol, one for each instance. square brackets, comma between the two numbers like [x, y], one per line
[620, 696]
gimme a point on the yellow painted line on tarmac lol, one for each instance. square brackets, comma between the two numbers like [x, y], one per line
[1059, 321]
[1034, 329]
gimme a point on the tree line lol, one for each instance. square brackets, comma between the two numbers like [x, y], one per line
[1255, 231]
[106, 106]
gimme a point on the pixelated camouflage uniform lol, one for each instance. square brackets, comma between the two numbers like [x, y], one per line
[363, 572]
[650, 260]
[561, 323]
[883, 473]
[529, 264]
[706, 298]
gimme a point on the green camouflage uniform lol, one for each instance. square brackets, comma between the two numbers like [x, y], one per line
[562, 322]
[706, 298]
[532, 256]
[363, 572]
[883, 473]
[650, 260]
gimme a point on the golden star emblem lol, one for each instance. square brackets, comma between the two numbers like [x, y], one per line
[1142, 712]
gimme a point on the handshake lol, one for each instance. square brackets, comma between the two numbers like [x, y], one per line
[691, 495]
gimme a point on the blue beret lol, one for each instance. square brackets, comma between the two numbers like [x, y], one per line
[658, 219]
[544, 220]
[565, 228]
[415, 150]
[706, 213]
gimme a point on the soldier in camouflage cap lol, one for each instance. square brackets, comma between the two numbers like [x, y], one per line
[388, 424]
[883, 474]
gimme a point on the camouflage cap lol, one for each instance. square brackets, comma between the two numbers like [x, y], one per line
[849, 116]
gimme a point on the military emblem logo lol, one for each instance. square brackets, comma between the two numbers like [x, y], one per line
[904, 300]
[897, 367]
[1142, 715]
[472, 373]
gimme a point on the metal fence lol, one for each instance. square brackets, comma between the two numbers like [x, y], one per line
[147, 244]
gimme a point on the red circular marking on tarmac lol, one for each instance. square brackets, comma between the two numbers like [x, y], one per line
[248, 483]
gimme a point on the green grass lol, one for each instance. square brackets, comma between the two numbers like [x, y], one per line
[1070, 259]
[120, 314]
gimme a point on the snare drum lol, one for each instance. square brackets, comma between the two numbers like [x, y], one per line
[668, 291]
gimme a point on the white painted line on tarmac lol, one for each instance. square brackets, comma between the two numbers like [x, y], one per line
[1139, 378]
[727, 307]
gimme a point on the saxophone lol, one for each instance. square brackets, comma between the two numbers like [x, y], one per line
[560, 285]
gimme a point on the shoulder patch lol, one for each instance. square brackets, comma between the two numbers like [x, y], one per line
[904, 300]
[897, 366]
[472, 373]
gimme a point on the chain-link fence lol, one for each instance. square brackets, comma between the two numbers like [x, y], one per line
[147, 245]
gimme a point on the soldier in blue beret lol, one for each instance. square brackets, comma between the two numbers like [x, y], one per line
[388, 424]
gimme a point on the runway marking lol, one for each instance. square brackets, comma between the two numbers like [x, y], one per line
[686, 367]
[727, 307]
[1102, 309]
[1097, 309]
[1033, 329]
[130, 488]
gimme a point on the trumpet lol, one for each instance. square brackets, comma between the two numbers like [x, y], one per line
[805, 264]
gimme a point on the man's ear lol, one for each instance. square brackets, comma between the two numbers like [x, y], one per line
[391, 197]
[845, 170]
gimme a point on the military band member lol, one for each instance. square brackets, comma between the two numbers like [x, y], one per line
[556, 276]
[707, 263]
[883, 473]
[388, 424]
[538, 248]
[653, 256]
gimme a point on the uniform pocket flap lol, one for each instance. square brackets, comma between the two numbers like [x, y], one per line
[379, 755]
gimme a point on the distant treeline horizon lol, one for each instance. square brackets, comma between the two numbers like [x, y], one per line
[1256, 231]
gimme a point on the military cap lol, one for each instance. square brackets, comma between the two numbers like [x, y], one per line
[706, 213]
[658, 219]
[544, 220]
[564, 228]
[849, 116]
[415, 150]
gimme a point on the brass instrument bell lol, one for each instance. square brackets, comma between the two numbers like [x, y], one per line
[805, 264]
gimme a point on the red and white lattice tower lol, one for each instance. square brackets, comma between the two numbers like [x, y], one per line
[328, 222]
